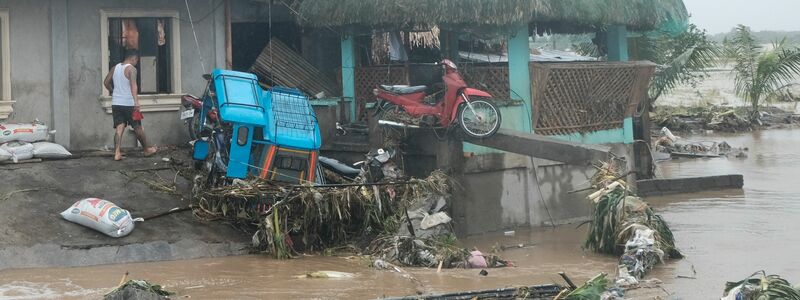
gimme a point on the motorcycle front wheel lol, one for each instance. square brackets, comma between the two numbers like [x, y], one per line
[479, 118]
[193, 126]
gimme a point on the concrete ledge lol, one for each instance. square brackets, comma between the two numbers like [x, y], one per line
[656, 187]
[52, 255]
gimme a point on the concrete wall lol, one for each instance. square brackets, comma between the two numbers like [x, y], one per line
[501, 191]
[91, 126]
[56, 66]
[29, 30]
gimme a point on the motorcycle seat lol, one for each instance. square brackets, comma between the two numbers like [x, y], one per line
[403, 89]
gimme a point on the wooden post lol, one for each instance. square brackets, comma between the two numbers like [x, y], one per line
[228, 43]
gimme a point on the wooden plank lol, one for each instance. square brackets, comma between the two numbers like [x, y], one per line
[285, 67]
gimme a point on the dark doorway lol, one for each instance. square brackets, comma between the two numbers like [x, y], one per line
[248, 39]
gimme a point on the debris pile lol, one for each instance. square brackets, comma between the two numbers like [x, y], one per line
[623, 224]
[138, 290]
[674, 146]
[403, 222]
[721, 118]
[761, 287]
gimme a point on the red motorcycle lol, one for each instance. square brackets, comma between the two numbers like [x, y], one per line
[193, 106]
[455, 104]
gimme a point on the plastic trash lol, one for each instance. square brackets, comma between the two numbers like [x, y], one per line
[32, 132]
[100, 215]
[326, 274]
[476, 260]
[434, 220]
[49, 150]
[18, 150]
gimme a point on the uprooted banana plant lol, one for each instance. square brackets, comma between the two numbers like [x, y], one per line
[761, 287]
[625, 225]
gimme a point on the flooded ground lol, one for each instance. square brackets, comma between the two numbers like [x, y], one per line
[726, 235]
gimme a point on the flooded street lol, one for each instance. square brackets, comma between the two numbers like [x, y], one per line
[726, 235]
[729, 235]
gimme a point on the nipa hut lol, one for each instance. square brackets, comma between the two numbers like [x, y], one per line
[546, 98]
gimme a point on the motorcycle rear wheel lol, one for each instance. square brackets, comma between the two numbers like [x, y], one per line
[481, 121]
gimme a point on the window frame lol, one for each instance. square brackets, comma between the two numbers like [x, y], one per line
[6, 103]
[149, 102]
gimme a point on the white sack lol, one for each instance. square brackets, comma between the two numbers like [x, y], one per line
[32, 132]
[49, 150]
[4, 155]
[18, 150]
[100, 215]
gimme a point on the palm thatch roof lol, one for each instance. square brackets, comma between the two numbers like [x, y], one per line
[557, 16]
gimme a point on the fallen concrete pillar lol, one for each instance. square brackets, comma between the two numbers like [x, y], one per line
[544, 147]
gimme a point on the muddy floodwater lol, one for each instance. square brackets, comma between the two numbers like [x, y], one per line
[726, 235]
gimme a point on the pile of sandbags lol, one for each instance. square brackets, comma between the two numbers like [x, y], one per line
[20, 142]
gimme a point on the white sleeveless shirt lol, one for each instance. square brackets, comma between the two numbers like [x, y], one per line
[122, 87]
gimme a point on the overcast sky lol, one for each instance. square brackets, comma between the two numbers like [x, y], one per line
[722, 15]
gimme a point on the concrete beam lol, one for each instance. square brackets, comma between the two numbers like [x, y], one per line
[657, 187]
[544, 147]
[59, 78]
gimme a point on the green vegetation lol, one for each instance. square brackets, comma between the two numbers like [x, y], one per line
[760, 73]
[764, 287]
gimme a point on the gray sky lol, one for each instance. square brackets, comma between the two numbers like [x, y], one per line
[722, 15]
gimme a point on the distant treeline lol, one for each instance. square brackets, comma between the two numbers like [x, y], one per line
[764, 37]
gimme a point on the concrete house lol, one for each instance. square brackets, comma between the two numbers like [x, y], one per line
[55, 54]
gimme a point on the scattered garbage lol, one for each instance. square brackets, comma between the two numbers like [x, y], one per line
[100, 215]
[50, 150]
[476, 260]
[327, 274]
[19, 150]
[483, 273]
[138, 290]
[33, 132]
[756, 287]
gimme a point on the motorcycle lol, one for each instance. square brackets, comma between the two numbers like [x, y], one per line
[457, 104]
[377, 165]
[193, 107]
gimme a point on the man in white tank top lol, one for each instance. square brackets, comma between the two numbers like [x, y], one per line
[121, 82]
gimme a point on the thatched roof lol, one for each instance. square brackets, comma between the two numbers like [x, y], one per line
[558, 16]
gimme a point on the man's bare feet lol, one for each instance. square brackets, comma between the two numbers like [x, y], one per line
[150, 151]
[117, 156]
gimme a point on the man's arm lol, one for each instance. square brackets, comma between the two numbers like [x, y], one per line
[134, 87]
[108, 82]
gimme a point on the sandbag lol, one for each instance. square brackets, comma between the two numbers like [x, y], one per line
[4, 155]
[18, 150]
[100, 215]
[49, 150]
[32, 132]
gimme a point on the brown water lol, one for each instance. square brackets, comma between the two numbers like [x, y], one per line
[726, 235]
